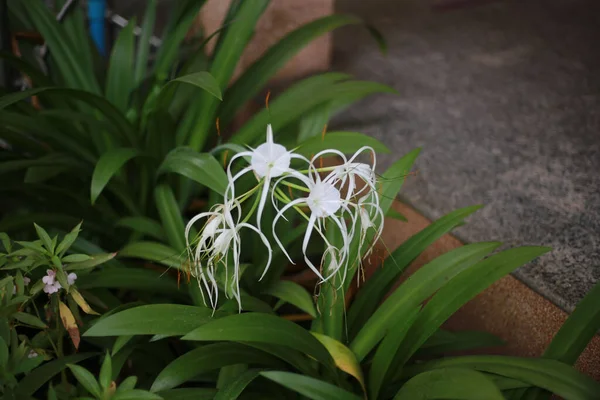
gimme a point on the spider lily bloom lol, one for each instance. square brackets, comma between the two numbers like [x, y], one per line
[350, 170]
[217, 242]
[324, 201]
[269, 160]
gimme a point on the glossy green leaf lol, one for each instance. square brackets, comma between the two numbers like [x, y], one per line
[232, 43]
[183, 15]
[108, 165]
[234, 389]
[130, 278]
[189, 394]
[68, 240]
[581, 326]
[143, 51]
[446, 383]
[299, 99]
[263, 69]
[310, 387]
[170, 216]
[93, 261]
[86, 379]
[554, 376]
[144, 225]
[379, 284]
[443, 342]
[418, 287]
[294, 294]
[105, 377]
[386, 351]
[458, 291]
[39, 376]
[135, 394]
[44, 237]
[108, 110]
[262, 328]
[119, 77]
[200, 167]
[62, 49]
[346, 142]
[153, 251]
[29, 319]
[209, 358]
[154, 319]
[202, 80]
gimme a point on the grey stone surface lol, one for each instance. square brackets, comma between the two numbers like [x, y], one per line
[504, 99]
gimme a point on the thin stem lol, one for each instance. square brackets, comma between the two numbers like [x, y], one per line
[285, 199]
[294, 186]
[254, 205]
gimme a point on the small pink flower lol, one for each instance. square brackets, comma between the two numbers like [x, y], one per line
[49, 278]
[32, 354]
[52, 285]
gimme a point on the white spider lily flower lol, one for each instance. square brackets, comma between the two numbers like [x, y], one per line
[324, 201]
[269, 160]
[217, 242]
[350, 170]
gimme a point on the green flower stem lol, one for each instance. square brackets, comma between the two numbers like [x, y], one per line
[282, 196]
[294, 186]
[251, 212]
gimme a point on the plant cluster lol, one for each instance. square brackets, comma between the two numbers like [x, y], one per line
[131, 147]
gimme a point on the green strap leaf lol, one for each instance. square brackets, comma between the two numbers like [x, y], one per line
[446, 383]
[39, 376]
[235, 388]
[154, 251]
[458, 291]
[119, 78]
[189, 394]
[141, 57]
[294, 294]
[182, 17]
[554, 376]
[418, 287]
[86, 379]
[299, 99]
[108, 165]
[209, 358]
[145, 226]
[346, 142]
[232, 43]
[386, 351]
[154, 319]
[379, 284]
[63, 49]
[263, 69]
[130, 278]
[310, 387]
[170, 216]
[200, 167]
[261, 328]
[201, 79]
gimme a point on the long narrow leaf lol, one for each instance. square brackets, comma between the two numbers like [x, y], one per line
[460, 290]
[143, 51]
[418, 287]
[261, 328]
[119, 79]
[263, 69]
[233, 42]
[346, 142]
[554, 376]
[171, 219]
[445, 383]
[294, 294]
[382, 280]
[200, 167]
[153, 251]
[310, 387]
[209, 358]
[108, 165]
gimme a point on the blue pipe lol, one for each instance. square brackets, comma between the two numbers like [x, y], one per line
[96, 11]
